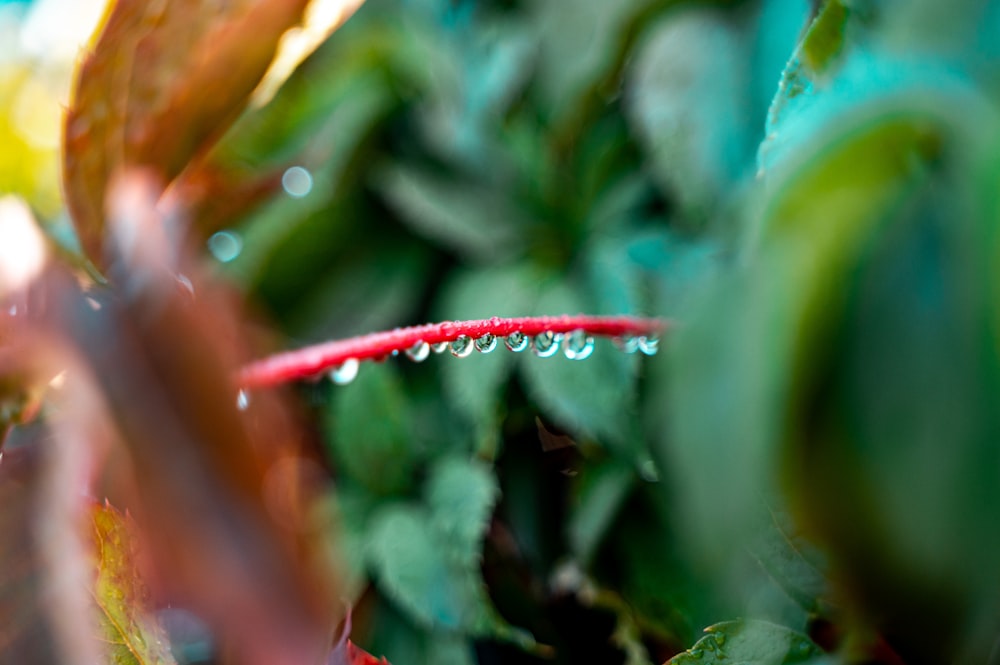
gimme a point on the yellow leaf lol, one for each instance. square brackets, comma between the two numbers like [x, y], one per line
[130, 636]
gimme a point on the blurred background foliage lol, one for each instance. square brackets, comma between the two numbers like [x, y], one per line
[808, 189]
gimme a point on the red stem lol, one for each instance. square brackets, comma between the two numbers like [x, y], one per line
[310, 361]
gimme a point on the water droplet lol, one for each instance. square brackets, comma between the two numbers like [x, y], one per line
[486, 343]
[297, 182]
[626, 344]
[186, 283]
[345, 372]
[648, 345]
[579, 345]
[419, 351]
[462, 346]
[13, 310]
[225, 245]
[695, 653]
[720, 638]
[516, 341]
[242, 400]
[439, 347]
[546, 344]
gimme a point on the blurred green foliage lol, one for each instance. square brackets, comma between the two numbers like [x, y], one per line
[808, 189]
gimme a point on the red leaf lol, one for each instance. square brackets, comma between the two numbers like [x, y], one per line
[163, 81]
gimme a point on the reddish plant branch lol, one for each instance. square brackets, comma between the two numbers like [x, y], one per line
[310, 361]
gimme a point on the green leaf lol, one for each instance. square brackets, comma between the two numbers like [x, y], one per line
[794, 563]
[750, 643]
[370, 433]
[461, 494]
[405, 551]
[426, 557]
[602, 491]
[812, 231]
[468, 217]
[132, 638]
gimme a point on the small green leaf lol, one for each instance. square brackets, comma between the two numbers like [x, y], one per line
[369, 431]
[132, 638]
[461, 494]
[405, 551]
[749, 643]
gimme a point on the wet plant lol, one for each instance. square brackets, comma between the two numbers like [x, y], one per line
[714, 368]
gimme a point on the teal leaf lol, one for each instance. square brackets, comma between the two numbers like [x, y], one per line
[750, 643]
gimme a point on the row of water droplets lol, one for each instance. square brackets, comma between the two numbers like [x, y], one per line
[575, 345]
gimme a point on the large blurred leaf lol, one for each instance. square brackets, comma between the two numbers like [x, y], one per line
[132, 638]
[140, 97]
[224, 488]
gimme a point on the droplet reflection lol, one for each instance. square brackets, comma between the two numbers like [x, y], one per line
[516, 341]
[345, 372]
[648, 345]
[627, 344]
[579, 345]
[462, 346]
[546, 344]
[419, 351]
[242, 400]
[486, 343]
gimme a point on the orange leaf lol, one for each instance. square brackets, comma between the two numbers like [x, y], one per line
[162, 82]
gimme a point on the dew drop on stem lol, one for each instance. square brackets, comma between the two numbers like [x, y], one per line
[516, 341]
[627, 343]
[419, 351]
[578, 345]
[439, 347]
[462, 346]
[648, 345]
[486, 343]
[346, 372]
[546, 344]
